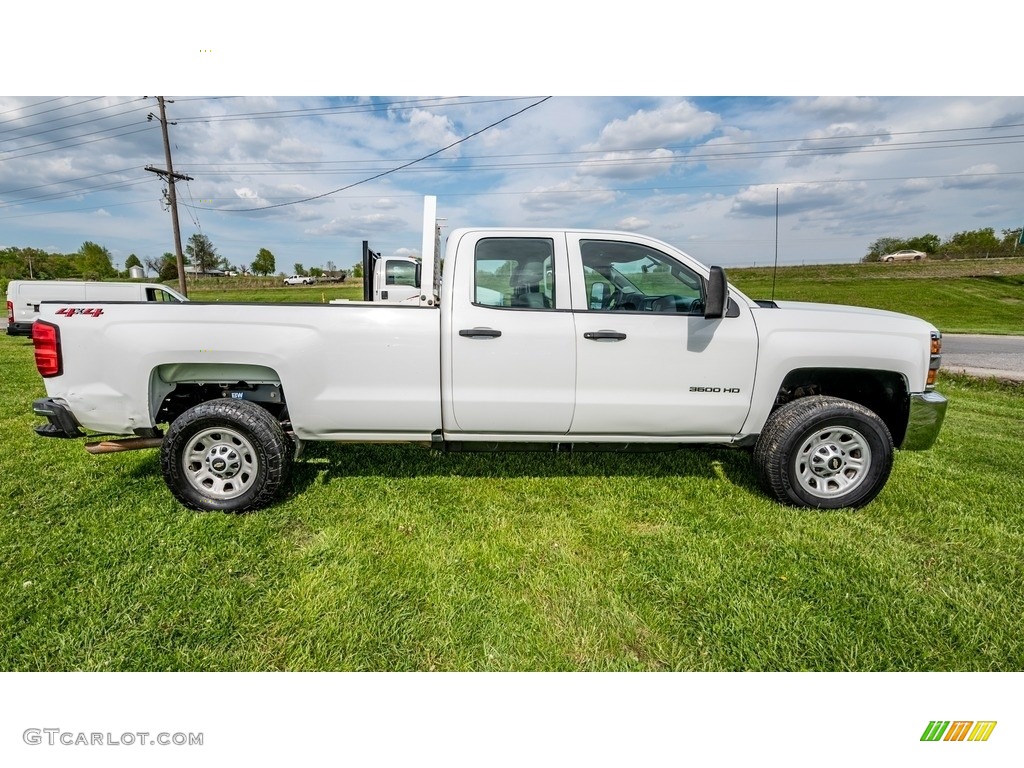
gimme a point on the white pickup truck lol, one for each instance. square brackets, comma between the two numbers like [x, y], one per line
[560, 339]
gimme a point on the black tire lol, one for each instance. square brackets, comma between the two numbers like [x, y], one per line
[824, 452]
[225, 455]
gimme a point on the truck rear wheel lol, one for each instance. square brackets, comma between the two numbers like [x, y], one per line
[225, 455]
[824, 452]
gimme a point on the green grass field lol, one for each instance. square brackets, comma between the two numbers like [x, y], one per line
[985, 296]
[398, 558]
[225, 289]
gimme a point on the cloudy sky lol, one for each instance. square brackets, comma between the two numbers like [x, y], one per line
[310, 177]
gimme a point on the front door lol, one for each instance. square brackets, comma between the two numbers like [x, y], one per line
[648, 363]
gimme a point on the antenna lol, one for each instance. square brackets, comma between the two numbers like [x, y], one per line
[775, 270]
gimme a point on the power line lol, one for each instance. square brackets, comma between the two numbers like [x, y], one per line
[684, 187]
[29, 106]
[387, 172]
[75, 125]
[73, 192]
[71, 146]
[148, 201]
[699, 154]
[696, 156]
[610, 162]
[65, 181]
[46, 111]
[347, 109]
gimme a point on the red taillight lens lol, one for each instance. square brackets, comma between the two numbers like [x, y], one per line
[46, 339]
[10, 313]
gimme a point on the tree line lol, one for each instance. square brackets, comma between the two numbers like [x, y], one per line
[973, 244]
[94, 262]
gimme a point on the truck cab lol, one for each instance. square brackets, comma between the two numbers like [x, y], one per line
[392, 279]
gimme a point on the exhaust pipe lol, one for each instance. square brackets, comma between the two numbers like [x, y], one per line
[129, 444]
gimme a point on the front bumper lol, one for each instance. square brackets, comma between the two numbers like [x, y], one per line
[60, 421]
[927, 411]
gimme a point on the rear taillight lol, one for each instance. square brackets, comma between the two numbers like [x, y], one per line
[10, 313]
[46, 339]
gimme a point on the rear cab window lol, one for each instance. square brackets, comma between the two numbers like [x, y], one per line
[514, 273]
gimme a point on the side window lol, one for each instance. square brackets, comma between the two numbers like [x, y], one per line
[400, 273]
[514, 272]
[630, 277]
[155, 294]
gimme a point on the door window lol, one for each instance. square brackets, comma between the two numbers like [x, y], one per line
[158, 294]
[514, 273]
[630, 277]
[401, 273]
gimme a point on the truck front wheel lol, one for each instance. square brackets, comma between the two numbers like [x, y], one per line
[225, 455]
[824, 452]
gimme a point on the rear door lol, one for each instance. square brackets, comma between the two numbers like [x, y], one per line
[648, 363]
[511, 336]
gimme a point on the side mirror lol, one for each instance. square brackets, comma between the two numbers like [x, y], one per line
[597, 295]
[717, 294]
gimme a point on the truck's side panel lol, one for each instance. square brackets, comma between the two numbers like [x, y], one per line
[796, 336]
[370, 372]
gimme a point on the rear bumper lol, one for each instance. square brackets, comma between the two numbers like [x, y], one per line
[927, 411]
[19, 329]
[60, 422]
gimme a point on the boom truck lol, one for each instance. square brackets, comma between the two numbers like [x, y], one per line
[555, 339]
[394, 279]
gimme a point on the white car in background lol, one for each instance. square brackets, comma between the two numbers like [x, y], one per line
[906, 255]
[299, 280]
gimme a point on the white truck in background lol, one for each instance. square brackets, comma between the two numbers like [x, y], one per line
[548, 338]
[392, 279]
[25, 296]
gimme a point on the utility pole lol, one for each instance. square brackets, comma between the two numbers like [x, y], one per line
[171, 177]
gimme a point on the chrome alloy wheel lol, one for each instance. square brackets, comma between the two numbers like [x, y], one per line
[220, 462]
[832, 461]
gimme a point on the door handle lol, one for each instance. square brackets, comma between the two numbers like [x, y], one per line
[479, 333]
[604, 335]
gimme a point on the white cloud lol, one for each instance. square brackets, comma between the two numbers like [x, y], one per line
[836, 139]
[562, 196]
[628, 165]
[633, 224]
[649, 129]
[836, 107]
[983, 175]
[792, 199]
[430, 129]
[356, 226]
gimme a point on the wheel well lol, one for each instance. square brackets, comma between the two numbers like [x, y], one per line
[884, 392]
[176, 388]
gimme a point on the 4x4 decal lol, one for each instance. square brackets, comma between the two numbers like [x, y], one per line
[72, 311]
